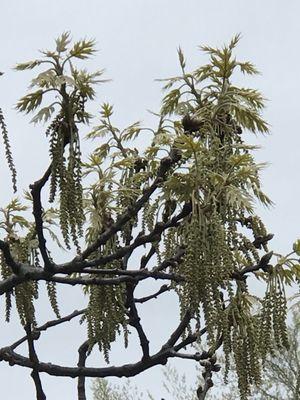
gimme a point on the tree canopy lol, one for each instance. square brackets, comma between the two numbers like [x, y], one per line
[181, 194]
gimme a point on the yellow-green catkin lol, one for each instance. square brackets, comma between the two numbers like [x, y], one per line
[273, 329]
[66, 177]
[24, 250]
[27, 292]
[207, 266]
[8, 153]
[106, 314]
[5, 273]
[241, 338]
[52, 295]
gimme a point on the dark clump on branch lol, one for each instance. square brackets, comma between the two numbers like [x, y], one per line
[191, 125]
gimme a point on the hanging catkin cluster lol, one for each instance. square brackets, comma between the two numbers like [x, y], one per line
[24, 250]
[5, 273]
[149, 216]
[216, 248]
[171, 242]
[8, 154]
[27, 292]
[66, 177]
[240, 338]
[125, 199]
[106, 314]
[207, 266]
[273, 327]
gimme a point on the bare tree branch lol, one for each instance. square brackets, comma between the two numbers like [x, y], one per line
[167, 351]
[40, 395]
[49, 324]
[15, 266]
[163, 289]
[36, 189]
[134, 320]
[82, 352]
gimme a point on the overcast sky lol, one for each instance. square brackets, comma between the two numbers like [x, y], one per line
[137, 42]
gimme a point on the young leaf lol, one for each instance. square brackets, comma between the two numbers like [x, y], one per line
[62, 42]
[83, 49]
[30, 102]
[43, 115]
[27, 65]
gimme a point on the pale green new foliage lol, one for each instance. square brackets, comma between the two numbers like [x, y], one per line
[211, 172]
[71, 87]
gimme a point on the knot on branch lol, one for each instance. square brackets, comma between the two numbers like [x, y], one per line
[262, 240]
[210, 366]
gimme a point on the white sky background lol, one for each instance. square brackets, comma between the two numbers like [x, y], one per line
[137, 40]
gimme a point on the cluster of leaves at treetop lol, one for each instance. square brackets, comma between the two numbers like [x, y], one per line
[72, 87]
[202, 120]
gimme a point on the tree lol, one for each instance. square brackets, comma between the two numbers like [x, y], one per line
[102, 390]
[281, 378]
[185, 199]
